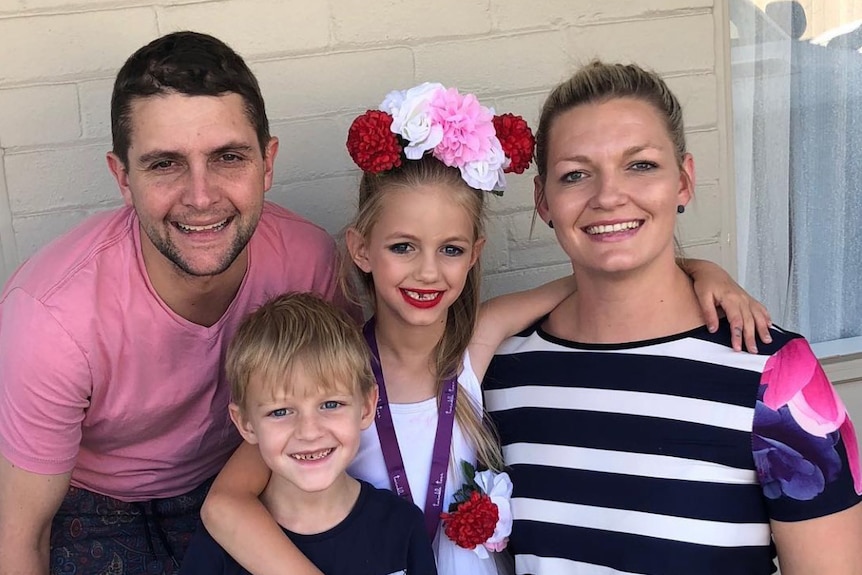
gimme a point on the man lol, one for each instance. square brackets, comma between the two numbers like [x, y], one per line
[112, 390]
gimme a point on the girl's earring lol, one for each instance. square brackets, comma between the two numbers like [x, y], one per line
[551, 224]
[680, 209]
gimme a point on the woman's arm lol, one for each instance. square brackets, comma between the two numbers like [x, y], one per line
[827, 545]
[236, 518]
[716, 289]
[506, 315]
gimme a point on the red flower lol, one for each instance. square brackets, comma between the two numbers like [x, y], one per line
[473, 521]
[371, 144]
[517, 140]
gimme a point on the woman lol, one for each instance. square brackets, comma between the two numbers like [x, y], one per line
[639, 441]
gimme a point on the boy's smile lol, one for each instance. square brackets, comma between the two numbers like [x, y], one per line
[307, 431]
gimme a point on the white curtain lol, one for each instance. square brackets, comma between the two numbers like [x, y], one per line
[797, 111]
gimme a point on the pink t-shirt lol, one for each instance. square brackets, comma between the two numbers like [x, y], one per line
[98, 376]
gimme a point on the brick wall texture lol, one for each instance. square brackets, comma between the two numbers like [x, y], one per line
[321, 62]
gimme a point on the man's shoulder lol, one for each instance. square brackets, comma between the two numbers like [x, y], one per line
[79, 254]
[290, 226]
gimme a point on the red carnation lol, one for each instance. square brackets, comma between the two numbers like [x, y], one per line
[371, 144]
[517, 140]
[473, 521]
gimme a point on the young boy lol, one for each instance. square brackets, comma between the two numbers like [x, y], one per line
[302, 391]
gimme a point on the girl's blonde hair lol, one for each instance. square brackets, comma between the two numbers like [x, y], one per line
[461, 317]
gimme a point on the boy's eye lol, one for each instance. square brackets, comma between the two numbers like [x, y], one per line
[278, 412]
[331, 404]
[400, 248]
[452, 250]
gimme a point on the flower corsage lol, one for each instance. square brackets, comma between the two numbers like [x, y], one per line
[480, 518]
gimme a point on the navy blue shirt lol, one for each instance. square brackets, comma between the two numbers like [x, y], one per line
[669, 456]
[382, 535]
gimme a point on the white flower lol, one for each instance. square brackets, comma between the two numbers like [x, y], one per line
[487, 174]
[392, 102]
[410, 118]
[498, 486]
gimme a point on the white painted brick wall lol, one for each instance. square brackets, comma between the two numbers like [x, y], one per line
[319, 64]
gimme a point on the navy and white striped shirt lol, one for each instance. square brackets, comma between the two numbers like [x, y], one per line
[666, 456]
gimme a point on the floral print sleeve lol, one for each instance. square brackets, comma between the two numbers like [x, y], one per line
[804, 445]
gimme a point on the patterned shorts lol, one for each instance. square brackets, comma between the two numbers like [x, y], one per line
[94, 534]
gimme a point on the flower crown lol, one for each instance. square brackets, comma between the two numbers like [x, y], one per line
[455, 128]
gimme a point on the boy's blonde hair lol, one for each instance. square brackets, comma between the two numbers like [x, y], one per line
[298, 329]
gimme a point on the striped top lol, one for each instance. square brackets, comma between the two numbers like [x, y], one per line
[666, 456]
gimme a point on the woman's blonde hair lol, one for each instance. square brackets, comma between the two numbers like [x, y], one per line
[599, 82]
[298, 329]
[461, 317]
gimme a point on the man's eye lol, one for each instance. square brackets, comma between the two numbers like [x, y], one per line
[230, 157]
[162, 165]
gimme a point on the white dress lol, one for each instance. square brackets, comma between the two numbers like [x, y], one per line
[415, 427]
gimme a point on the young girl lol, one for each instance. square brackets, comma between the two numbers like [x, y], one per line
[427, 157]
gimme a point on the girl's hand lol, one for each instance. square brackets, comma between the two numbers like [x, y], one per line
[716, 289]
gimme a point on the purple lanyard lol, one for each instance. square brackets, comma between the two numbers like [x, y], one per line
[389, 441]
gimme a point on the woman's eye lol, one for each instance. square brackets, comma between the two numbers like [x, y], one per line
[452, 251]
[643, 166]
[401, 248]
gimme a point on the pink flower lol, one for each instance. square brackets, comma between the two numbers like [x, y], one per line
[794, 378]
[467, 127]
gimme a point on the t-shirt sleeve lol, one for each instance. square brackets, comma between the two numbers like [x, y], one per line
[45, 385]
[804, 444]
[420, 556]
[326, 279]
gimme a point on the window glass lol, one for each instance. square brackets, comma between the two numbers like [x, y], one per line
[796, 72]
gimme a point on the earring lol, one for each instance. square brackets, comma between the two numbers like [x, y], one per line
[551, 224]
[680, 209]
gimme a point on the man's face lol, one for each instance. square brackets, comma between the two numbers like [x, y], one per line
[196, 177]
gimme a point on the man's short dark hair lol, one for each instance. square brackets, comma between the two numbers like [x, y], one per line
[187, 63]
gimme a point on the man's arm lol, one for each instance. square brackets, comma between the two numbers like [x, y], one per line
[28, 502]
[827, 545]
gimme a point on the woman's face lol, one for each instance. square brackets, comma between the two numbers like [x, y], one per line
[613, 185]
